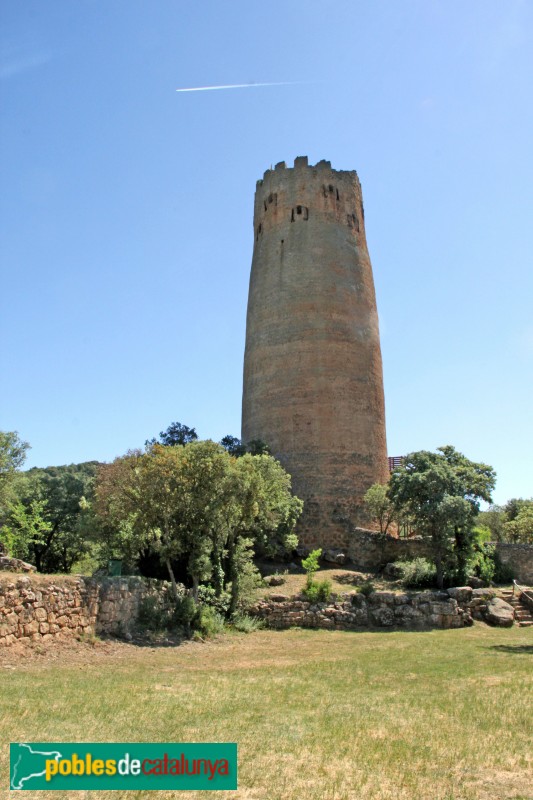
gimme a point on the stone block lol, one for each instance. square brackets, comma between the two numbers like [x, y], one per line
[499, 613]
[463, 594]
[31, 628]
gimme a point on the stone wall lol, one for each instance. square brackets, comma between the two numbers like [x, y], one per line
[453, 608]
[37, 608]
[370, 550]
[519, 557]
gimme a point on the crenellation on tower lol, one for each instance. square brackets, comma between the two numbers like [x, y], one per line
[313, 385]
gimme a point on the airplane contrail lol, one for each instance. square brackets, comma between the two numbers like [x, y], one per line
[235, 86]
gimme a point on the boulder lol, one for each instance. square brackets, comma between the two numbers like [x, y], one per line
[463, 594]
[393, 571]
[279, 598]
[334, 556]
[486, 594]
[499, 613]
[475, 583]
[274, 580]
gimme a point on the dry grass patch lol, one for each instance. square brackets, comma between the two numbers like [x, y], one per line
[439, 715]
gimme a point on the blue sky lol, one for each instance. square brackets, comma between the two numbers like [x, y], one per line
[126, 210]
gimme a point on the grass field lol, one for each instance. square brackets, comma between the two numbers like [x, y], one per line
[440, 715]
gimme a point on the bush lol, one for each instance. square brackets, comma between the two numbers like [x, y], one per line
[367, 588]
[207, 597]
[209, 622]
[310, 564]
[152, 614]
[162, 615]
[481, 563]
[246, 624]
[417, 574]
[317, 591]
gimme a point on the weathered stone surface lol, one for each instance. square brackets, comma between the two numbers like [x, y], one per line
[313, 387]
[274, 580]
[382, 616]
[33, 612]
[15, 565]
[463, 594]
[485, 594]
[279, 598]
[499, 613]
[334, 556]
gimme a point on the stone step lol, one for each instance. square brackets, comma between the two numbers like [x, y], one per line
[528, 624]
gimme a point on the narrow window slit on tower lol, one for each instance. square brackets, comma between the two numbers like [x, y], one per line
[259, 231]
[352, 221]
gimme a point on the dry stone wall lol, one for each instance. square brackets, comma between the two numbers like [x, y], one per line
[519, 557]
[35, 609]
[453, 608]
[371, 550]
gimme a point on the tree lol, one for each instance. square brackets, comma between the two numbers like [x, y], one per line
[520, 527]
[175, 434]
[12, 456]
[441, 493]
[59, 497]
[197, 503]
[379, 506]
[233, 446]
[27, 526]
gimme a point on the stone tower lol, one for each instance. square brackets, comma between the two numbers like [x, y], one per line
[313, 382]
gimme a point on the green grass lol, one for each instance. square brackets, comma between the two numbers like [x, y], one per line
[318, 715]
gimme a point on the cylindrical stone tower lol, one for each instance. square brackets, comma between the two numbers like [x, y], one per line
[313, 382]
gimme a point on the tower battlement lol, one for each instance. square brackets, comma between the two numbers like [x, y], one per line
[313, 384]
[302, 162]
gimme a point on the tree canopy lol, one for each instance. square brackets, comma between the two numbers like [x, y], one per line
[196, 501]
[441, 492]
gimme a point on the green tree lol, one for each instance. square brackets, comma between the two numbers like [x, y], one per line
[379, 506]
[519, 528]
[27, 526]
[233, 446]
[197, 503]
[175, 434]
[12, 456]
[441, 493]
[494, 519]
[61, 494]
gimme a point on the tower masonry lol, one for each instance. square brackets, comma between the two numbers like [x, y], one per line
[313, 382]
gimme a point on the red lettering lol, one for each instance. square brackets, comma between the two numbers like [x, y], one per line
[148, 771]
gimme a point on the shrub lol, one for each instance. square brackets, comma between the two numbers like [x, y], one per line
[310, 564]
[318, 591]
[152, 614]
[367, 588]
[481, 563]
[249, 581]
[417, 574]
[162, 615]
[207, 597]
[247, 624]
[209, 622]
